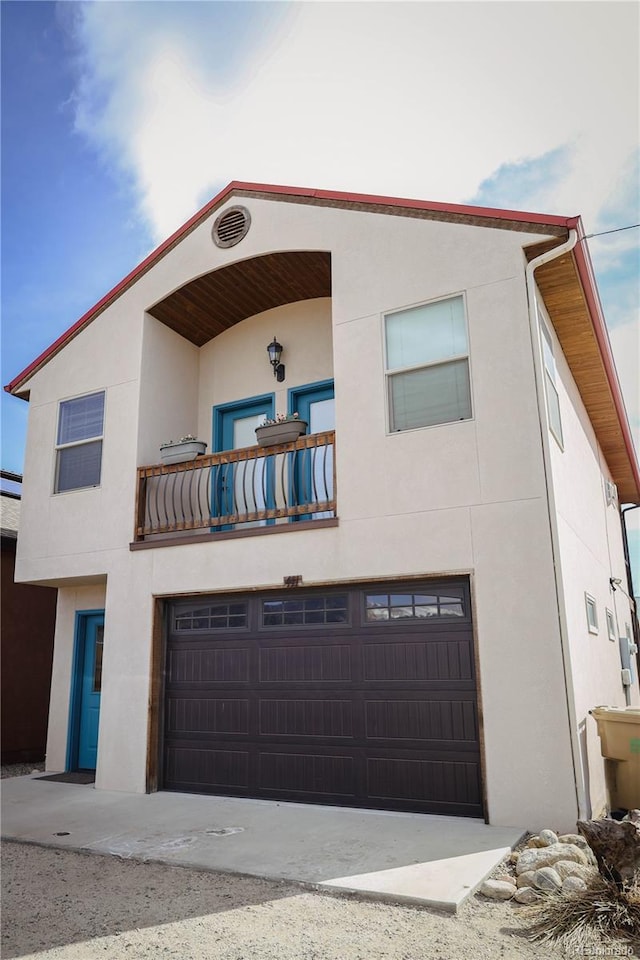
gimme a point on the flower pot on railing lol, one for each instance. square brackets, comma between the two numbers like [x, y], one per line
[282, 431]
[179, 451]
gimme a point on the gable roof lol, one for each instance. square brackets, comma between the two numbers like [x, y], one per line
[613, 430]
[478, 216]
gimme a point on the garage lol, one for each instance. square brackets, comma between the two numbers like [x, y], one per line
[362, 697]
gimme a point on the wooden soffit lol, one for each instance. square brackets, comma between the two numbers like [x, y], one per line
[216, 301]
[563, 295]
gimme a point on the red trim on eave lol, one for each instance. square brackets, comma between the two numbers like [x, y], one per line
[585, 272]
[241, 186]
[459, 208]
[113, 293]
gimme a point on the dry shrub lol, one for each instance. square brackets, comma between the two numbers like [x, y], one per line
[580, 920]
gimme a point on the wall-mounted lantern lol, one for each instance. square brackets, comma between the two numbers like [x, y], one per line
[275, 352]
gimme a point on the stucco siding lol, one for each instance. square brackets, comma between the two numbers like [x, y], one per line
[507, 435]
[106, 356]
[460, 498]
[590, 555]
[150, 375]
[124, 708]
[235, 366]
[168, 389]
[528, 750]
[71, 600]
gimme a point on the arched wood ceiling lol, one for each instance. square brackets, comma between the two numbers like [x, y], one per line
[216, 301]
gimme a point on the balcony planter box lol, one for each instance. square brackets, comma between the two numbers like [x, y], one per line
[182, 450]
[283, 432]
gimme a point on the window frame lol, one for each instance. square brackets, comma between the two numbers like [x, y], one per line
[611, 624]
[188, 610]
[279, 597]
[438, 593]
[590, 604]
[390, 373]
[549, 370]
[438, 587]
[60, 447]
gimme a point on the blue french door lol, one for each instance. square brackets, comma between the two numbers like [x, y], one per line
[90, 690]
[235, 489]
[315, 403]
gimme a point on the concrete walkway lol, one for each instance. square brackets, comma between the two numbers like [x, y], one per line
[433, 861]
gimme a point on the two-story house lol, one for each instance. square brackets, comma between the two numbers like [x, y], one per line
[412, 606]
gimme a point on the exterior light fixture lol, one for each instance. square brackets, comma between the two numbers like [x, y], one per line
[275, 352]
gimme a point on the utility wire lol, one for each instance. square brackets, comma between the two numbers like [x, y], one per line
[633, 226]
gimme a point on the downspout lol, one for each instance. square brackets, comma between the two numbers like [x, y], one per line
[532, 266]
[635, 626]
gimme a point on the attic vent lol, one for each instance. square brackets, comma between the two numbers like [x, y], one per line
[231, 226]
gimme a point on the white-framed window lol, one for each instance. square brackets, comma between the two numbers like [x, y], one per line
[611, 624]
[427, 364]
[592, 613]
[79, 442]
[550, 389]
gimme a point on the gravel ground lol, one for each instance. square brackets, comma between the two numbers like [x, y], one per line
[65, 905]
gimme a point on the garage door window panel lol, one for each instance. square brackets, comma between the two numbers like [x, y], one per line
[381, 607]
[308, 611]
[221, 616]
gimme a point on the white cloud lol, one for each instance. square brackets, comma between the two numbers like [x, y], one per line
[625, 343]
[618, 251]
[530, 105]
[413, 99]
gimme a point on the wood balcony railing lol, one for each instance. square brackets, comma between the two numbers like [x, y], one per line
[239, 489]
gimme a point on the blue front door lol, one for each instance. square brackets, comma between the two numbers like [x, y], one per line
[90, 687]
[315, 403]
[236, 491]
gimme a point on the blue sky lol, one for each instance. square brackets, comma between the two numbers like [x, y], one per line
[120, 119]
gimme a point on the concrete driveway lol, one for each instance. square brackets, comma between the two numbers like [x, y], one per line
[434, 861]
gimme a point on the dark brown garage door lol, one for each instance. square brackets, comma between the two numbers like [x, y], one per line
[360, 697]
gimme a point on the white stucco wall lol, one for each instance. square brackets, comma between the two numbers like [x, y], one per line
[106, 356]
[124, 707]
[591, 553]
[71, 601]
[467, 497]
[168, 389]
[238, 357]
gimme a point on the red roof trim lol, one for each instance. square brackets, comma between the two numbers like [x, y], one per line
[113, 293]
[241, 187]
[455, 208]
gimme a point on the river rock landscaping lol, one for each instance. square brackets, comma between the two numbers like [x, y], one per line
[547, 863]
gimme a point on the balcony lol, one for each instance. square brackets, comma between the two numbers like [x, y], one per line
[249, 491]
